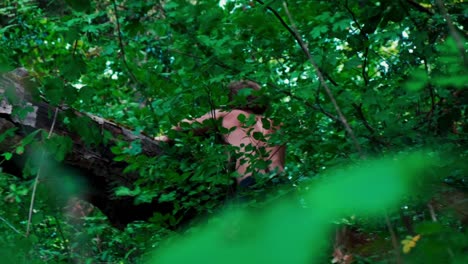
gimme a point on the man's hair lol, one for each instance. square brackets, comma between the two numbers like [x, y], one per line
[252, 102]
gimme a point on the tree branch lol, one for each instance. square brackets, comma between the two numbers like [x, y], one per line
[305, 49]
[307, 103]
[419, 7]
[361, 116]
[121, 45]
[353, 16]
[10, 225]
[124, 56]
[38, 175]
[455, 35]
[365, 74]
[394, 238]
[296, 36]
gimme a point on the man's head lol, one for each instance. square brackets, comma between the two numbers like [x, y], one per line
[244, 95]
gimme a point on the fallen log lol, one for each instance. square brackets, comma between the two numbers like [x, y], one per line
[93, 164]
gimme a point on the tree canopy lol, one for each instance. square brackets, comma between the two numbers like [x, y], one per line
[354, 84]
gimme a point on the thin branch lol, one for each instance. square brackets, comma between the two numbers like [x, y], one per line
[393, 236]
[353, 16]
[361, 116]
[281, 20]
[38, 174]
[419, 7]
[407, 221]
[432, 212]
[59, 227]
[305, 49]
[319, 105]
[124, 56]
[373, 138]
[455, 35]
[365, 74]
[121, 45]
[308, 104]
[10, 225]
[433, 102]
[291, 30]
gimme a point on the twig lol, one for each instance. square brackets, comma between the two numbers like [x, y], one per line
[10, 225]
[363, 118]
[432, 95]
[373, 138]
[121, 45]
[419, 7]
[365, 74]
[308, 104]
[124, 57]
[407, 221]
[305, 49]
[319, 105]
[59, 227]
[38, 174]
[432, 212]
[455, 35]
[281, 20]
[353, 16]
[394, 239]
[296, 36]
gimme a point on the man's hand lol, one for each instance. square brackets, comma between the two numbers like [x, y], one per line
[163, 138]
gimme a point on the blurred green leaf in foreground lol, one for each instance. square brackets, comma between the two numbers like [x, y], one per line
[291, 233]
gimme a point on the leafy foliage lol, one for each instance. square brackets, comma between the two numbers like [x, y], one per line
[396, 69]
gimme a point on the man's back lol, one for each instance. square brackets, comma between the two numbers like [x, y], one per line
[242, 136]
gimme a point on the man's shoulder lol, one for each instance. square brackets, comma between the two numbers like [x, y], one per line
[231, 117]
[237, 112]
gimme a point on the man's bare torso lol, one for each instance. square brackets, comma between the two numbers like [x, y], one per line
[243, 136]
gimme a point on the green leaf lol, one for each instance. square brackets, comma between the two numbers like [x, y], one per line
[428, 228]
[241, 118]
[29, 138]
[266, 124]
[258, 136]
[167, 197]
[244, 92]
[60, 146]
[75, 67]
[19, 150]
[7, 155]
[261, 237]
[135, 148]
[8, 133]
[171, 5]
[80, 5]
[54, 90]
[458, 81]
[125, 191]
[37, 218]
[319, 31]
[417, 81]
[87, 130]
[5, 64]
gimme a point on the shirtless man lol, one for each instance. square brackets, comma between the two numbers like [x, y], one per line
[249, 135]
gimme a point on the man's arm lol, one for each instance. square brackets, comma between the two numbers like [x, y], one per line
[212, 115]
